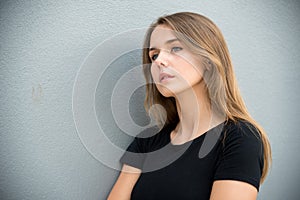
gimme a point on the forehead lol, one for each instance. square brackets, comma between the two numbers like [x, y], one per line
[161, 34]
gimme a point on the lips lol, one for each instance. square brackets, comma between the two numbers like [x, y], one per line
[164, 77]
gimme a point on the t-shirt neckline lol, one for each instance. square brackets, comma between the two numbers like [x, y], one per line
[194, 140]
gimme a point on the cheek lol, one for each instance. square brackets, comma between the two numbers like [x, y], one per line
[188, 70]
[193, 63]
[154, 73]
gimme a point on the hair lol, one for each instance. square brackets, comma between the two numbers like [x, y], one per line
[205, 39]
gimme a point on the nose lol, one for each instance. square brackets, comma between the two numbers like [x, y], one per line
[162, 59]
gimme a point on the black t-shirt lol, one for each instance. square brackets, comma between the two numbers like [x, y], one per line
[229, 151]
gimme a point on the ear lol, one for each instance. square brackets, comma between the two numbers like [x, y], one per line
[208, 64]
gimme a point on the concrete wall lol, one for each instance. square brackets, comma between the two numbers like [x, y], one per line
[48, 123]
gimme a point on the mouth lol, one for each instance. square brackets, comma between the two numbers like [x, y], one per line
[164, 77]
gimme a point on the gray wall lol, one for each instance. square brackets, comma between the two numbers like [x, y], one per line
[46, 149]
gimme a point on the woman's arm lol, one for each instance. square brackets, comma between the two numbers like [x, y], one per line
[125, 183]
[232, 190]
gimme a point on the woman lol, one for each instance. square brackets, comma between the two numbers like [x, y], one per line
[208, 147]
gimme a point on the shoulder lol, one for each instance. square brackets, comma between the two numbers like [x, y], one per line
[242, 153]
[241, 131]
[153, 138]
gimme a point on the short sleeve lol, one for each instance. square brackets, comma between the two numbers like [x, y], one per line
[136, 152]
[133, 155]
[242, 155]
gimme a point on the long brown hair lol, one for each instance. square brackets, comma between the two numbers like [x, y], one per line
[205, 39]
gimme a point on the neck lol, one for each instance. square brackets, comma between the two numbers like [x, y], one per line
[195, 114]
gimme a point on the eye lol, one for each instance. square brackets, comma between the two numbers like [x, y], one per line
[175, 49]
[153, 57]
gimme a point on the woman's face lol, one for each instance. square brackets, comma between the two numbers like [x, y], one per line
[174, 68]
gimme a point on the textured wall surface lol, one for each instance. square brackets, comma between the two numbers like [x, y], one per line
[44, 44]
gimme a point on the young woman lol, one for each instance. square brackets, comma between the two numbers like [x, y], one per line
[208, 146]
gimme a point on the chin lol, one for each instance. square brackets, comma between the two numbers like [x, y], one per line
[166, 92]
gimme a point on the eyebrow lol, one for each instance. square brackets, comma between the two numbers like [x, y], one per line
[167, 42]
